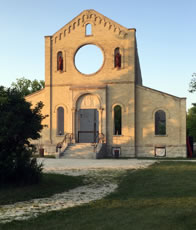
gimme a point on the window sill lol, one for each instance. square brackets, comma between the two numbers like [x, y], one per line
[161, 135]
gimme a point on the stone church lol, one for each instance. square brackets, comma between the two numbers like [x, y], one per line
[110, 108]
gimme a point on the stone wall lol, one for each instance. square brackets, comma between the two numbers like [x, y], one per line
[109, 86]
[148, 101]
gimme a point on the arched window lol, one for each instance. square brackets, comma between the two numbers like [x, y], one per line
[60, 61]
[60, 121]
[117, 58]
[88, 29]
[117, 120]
[160, 123]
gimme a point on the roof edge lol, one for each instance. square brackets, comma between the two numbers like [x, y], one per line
[88, 12]
[37, 92]
[147, 88]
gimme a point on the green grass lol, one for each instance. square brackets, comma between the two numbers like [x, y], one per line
[49, 185]
[45, 156]
[161, 197]
[167, 159]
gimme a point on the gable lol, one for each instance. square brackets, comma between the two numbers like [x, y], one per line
[110, 37]
[94, 18]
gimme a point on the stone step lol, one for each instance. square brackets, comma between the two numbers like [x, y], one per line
[78, 146]
[79, 151]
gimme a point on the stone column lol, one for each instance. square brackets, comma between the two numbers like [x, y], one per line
[76, 124]
[101, 123]
[100, 119]
[73, 124]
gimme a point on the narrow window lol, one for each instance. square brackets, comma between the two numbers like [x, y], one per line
[117, 58]
[88, 29]
[60, 121]
[160, 123]
[117, 120]
[60, 61]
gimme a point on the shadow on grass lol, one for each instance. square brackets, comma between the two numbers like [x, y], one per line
[49, 185]
[162, 197]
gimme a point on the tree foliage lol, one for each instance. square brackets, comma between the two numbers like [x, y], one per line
[26, 86]
[18, 125]
[192, 85]
[191, 122]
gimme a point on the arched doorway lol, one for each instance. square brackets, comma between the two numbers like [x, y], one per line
[87, 119]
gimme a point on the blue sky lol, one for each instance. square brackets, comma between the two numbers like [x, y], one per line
[166, 37]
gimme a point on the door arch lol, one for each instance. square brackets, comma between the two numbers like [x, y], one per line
[87, 118]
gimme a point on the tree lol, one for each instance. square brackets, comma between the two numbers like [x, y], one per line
[37, 85]
[191, 122]
[192, 85]
[18, 125]
[26, 86]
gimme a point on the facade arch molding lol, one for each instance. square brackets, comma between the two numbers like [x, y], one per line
[61, 105]
[78, 98]
[121, 105]
[89, 21]
[162, 109]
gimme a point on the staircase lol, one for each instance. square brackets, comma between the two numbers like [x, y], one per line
[79, 151]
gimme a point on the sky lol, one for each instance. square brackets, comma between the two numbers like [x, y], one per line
[166, 37]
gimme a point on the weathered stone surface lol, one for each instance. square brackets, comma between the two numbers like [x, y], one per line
[105, 89]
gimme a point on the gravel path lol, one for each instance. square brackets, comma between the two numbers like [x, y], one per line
[102, 175]
[80, 164]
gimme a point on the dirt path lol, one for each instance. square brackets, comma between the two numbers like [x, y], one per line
[102, 175]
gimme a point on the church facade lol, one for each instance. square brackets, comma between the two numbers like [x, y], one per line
[110, 106]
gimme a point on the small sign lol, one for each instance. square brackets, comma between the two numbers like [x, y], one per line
[160, 152]
[116, 152]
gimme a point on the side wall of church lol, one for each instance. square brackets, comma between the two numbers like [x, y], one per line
[148, 101]
[34, 99]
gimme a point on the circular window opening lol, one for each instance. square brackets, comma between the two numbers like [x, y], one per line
[88, 59]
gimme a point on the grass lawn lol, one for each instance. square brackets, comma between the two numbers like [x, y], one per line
[50, 184]
[161, 197]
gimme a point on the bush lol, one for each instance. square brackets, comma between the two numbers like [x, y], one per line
[18, 124]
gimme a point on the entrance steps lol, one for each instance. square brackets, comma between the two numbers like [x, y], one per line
[79, 151]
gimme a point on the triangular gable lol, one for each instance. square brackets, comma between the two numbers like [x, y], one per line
[91, 16]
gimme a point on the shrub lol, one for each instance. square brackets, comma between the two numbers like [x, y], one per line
[18, 125]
